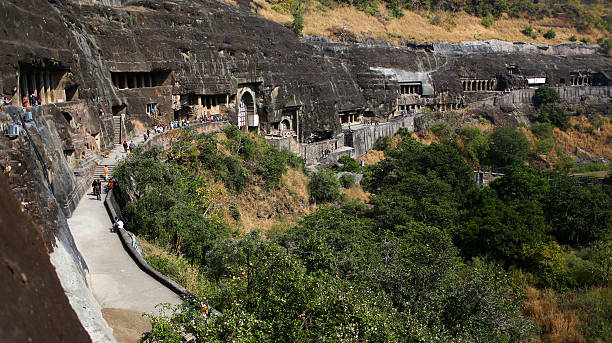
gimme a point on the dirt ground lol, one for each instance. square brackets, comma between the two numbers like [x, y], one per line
[127, 325]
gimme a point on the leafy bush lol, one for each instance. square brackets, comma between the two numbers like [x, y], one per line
[545, 95]
[585, 40]
[487, 21]
[324, 187]
[573, 38]
[550, 34]
[528, 31]
[382, 143]
[507, 145]
[551, 113]
[346, 181]
[475, 144]
[349, 164]
[542, 129]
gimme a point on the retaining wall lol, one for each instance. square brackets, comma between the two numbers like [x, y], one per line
[363, 138]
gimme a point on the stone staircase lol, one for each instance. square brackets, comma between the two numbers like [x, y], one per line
[99, 171]
[117, 129]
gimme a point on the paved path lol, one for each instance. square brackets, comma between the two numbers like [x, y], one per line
[115, 279]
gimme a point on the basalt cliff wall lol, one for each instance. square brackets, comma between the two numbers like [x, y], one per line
[152, 60]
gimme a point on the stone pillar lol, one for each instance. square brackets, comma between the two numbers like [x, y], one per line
[26, 90]
[125, 81]
[135, 77]
[32, 83]
[142, 80]
[52, 86]
[39, 86]
[199, 100]
[47, 88]
[150, 80]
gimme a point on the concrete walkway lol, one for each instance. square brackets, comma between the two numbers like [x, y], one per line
[116, 281]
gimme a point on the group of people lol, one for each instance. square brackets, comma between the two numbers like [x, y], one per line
[31, 101]
[128, 147]
[327, 151]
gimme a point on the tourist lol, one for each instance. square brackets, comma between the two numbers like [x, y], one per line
[32, 100]
[99, 189]
[101, 112]
[38, 100]
[94, 186]
[118, 225]
[24, 101]
[105, 173]
[144, 135]
[125, 146]
[132, 145]
[7, 101]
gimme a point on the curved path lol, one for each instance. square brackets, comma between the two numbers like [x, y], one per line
[123, 290]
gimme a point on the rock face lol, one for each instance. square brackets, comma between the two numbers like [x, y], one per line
[92, 62]
[35, 308]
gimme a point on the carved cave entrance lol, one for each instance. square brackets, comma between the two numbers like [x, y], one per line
[246, 111]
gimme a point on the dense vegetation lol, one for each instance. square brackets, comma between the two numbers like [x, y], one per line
[433, 259]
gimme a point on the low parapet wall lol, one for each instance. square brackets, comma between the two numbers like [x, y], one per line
[572, 95]
[362, 138]
[112, 206]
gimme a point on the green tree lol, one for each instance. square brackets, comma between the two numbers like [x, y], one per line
[324, 187]
[579, 215]
[506, 146]
[545, 95]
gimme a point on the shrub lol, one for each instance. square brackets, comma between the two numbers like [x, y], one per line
[507, 145]
[349, 164]
[346, 180]
[487, 21]
[585, 40]
[324, 187]
[573, 38]
[550, 34]
[556, 116]
[545, 95]
[528, 31]
[382, 143]
[542, 130]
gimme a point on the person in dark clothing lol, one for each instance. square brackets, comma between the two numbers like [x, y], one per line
[125, 146]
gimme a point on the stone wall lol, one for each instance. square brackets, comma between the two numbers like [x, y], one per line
[363, 138]
[573, 95]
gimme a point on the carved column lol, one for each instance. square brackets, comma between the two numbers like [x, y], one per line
[47, 88]
[142, 80]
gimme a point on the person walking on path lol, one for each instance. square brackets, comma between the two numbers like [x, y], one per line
[132, 145]
[99, 189]
[105, 173]
[125, 146]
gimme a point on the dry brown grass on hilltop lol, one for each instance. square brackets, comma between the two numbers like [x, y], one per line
[372, 157]
[356, 192]
[416, 26]
[557, 325]
[596, 138]
[274, 210]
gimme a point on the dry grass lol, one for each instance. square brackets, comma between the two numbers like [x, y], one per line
[356, 192]
[372, 157]
[557, 325]
[274, 210]
[416, 26]
[589, 137]
[183, 272]
[265, 10]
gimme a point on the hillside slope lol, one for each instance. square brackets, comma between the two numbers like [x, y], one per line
[342, 22]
